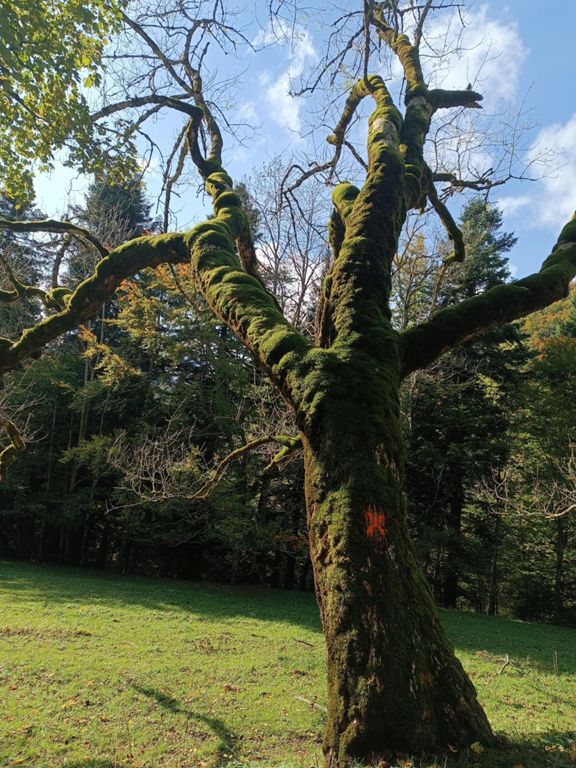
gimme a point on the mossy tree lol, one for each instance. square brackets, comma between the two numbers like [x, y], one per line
[394, 683]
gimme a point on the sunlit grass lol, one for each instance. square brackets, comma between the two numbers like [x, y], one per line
[100, 671]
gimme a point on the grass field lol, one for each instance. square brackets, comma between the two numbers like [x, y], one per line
[100, 671]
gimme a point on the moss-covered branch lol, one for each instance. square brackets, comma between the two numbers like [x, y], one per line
[289, 446]
[20, 289]
[85, 301]
[240, 299]
[343, 199]
[420, 107]
[360, 275]
[213, 161]
[421, 103]
[406, 52]
[409, 57]
[423, 344]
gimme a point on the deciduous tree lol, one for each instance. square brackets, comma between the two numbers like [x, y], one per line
[394, 683]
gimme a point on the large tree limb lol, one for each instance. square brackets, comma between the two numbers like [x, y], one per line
[174, 102]
[240, 299]
[343, 199]
[85, 301]
[406, 52]
[421, 103]
[360, 276]
[451, 326]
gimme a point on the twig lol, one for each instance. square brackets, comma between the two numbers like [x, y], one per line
[311, 703]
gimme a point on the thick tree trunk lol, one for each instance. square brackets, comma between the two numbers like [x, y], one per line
[394, 683]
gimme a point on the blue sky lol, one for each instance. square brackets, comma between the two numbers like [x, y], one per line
[514, 53]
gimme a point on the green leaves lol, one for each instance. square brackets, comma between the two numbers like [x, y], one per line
[50, 50]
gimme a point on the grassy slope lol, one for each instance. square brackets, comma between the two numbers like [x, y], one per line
[101, 671]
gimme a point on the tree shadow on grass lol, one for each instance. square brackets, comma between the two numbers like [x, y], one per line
[552, 749]
[469, 632]
[209, 602]
[526, 644]
[226, 746]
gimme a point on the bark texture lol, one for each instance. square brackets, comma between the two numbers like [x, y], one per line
[394, 683]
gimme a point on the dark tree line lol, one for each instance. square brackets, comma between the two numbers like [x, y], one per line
[154, 371]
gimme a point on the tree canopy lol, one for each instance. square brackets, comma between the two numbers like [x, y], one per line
[43, 77]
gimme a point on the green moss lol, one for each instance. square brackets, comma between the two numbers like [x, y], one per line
[344, 196]
[419, 89]
[7, 297]
[568, 233]
[58, 298]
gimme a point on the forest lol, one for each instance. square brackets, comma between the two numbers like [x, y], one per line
[128, 416]
[327, 380]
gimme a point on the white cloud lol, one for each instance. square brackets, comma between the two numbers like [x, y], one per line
[247, 112]
[550, 201]
[512, 204]
[301, 52]
[555, 197]
[488, 53]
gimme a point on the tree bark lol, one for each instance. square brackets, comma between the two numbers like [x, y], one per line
[394, 683]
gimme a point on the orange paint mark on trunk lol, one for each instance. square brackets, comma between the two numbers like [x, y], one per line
[375, 519]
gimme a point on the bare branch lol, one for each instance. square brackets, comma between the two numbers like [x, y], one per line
[16, 445]
[53, 225]
[174, 102]
[157, 51]
[287, 441]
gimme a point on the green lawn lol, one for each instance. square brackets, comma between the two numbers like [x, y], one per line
[101, 671]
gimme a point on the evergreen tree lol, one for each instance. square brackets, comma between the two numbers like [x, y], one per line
[459, 415]
[544, 489]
